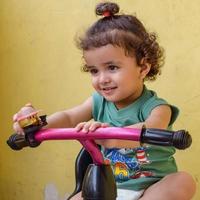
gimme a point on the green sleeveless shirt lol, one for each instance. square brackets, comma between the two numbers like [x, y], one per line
[140, 167]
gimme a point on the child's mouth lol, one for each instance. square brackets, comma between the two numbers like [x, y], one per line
[108, 90]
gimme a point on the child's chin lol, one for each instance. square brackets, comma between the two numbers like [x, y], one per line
[111, 99]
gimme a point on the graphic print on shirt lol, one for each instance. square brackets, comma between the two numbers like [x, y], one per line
[142, 159]
[125, 165]
[141, 155]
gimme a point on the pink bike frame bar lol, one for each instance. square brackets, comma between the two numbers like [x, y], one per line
[87, 139]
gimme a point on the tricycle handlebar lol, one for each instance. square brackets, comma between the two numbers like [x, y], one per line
[180, 139]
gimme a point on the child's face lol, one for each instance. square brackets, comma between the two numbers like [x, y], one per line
[115, 76]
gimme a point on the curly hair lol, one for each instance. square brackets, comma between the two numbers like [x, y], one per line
[127, 32]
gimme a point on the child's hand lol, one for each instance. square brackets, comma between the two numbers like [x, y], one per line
[90, 126]
[26, 110]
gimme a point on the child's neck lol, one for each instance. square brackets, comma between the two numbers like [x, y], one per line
[129, 100]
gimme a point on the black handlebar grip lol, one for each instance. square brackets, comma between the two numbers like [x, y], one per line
[180, 139]
[17, 142]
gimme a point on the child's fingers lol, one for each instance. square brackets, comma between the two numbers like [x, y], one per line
[80, 126]
[15, 116]
[27, 109]
[90, 126]
[86, 127]
[104, 125]
[17, 128]
[94, 126]
[28, 105]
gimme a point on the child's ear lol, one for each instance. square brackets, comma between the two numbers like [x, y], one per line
[145, 68]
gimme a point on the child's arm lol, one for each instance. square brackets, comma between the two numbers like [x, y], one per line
[71, 117]
[159, 118]
[62, 119]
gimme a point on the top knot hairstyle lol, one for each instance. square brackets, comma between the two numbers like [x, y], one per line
[124, 31]
[107, 9]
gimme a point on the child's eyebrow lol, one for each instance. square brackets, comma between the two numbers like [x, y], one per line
[89, 67]
[105, 63]
[111, 63]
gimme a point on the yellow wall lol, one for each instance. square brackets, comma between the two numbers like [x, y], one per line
[39, 63]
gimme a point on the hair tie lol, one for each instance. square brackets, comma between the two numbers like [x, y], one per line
[106, 13]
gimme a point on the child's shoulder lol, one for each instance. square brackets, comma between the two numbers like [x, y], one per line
[152, 101]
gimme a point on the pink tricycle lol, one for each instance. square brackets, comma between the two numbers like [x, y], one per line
[96, 179]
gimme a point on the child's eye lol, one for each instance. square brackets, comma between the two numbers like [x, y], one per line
[113, 67]
[93, 71]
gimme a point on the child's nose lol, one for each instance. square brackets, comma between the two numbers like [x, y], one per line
[104, 78]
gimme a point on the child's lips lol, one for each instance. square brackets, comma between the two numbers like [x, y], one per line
[108, 90]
